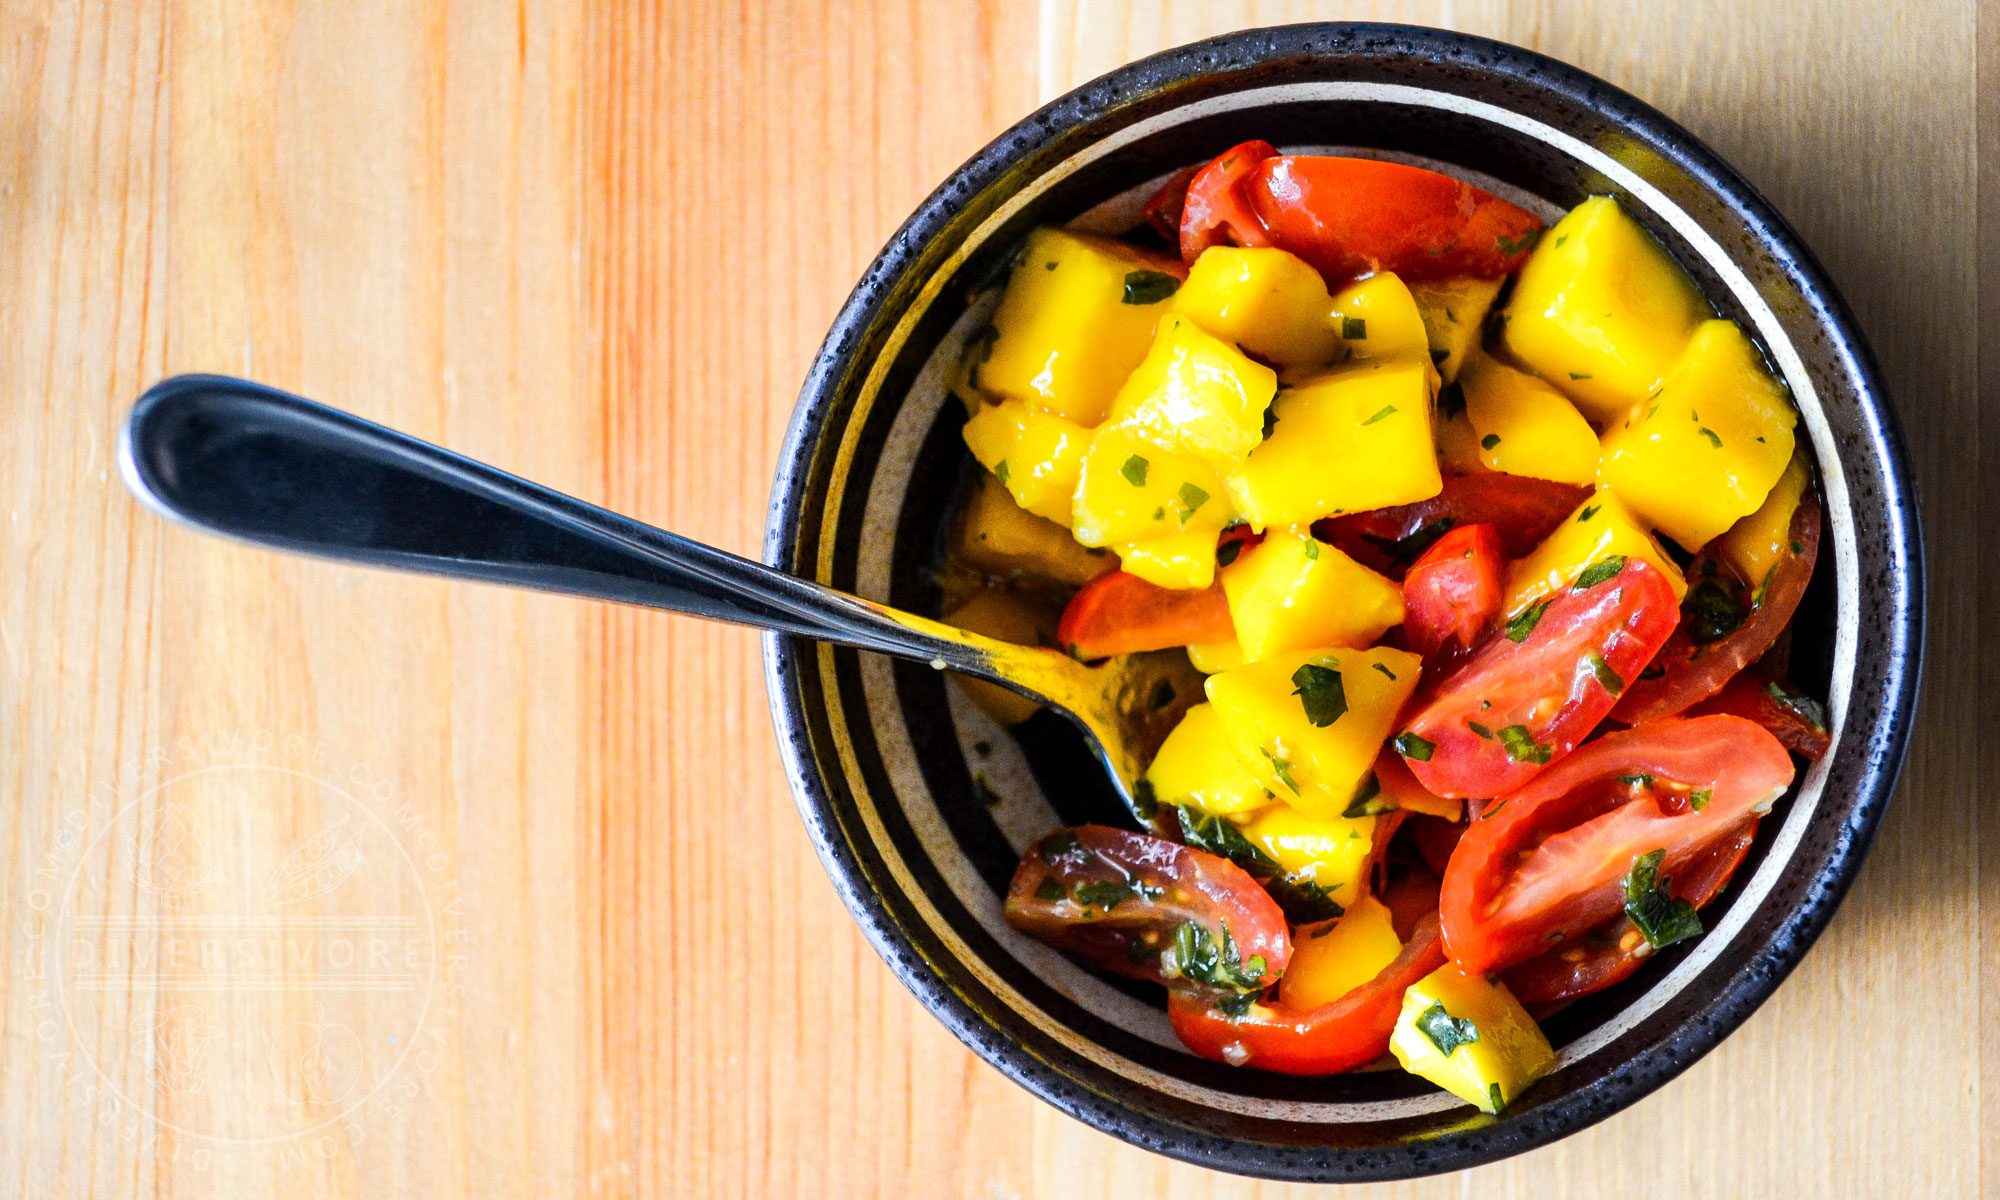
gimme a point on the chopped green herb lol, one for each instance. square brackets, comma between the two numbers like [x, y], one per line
[1524, 622]
[1798, 702]
[1134, 471]
[1661, 918]
[1149, 287]
[1445, 1031]
[1282, 768]
[1226, 553]
[1192, 498]
[1636, 780]
[1562, 239]
[1493, 812]
[1798, 547]
[1312, 550]
[1384, 668]
[1479, 729]
[1574, 375]
[1160, 513]
[1493, 1096]
[1507, 247]
[1368, 800]
[1489, 441]
[1048, 266]
[1221, 837]
[1605, 675]
[1589, 511]
[1303, 900]
[1060, 845]
[1710, 613]
[1598, 572]
[1522, 746]
[1409, 745]
[1321, 692]
[1201, 957]
[1050, 889]
[1000, 471]
[1354, 329]
[1144, 802]
[1712, 437]
[1386, 410]
[1699, 798]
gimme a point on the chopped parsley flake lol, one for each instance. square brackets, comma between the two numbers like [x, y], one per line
[1000, 471]
[1522, 746]
[1050, 889]
[1605, 675]
[1192, 498]
[1354, 329]
[1589, 511]
[1149, 287]
[1384, 669]
[1489, 441]
[1479, 729]
[1134, 471]
[1445, 1031]
[1322, 694]
[1798, 702]
[1386, 410]
[1713, 439]
[1661, 918]
[1699, 798]
[1409, 745]
[1598, 572]
[1368, 800]
[1524, 622]
[1312, 550]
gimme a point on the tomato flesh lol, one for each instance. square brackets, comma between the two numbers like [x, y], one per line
[1793, 719]
[1517, 706]
[1215, 211]
[1120, 613]
[1522, 512]
[1164, 207]
[1453, 591]
[1547, 863]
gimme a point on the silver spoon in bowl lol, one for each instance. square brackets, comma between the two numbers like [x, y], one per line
[250, 462]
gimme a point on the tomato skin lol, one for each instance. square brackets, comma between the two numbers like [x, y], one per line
[1120, 613]
[1127, 937]
[1522, 512]
[1749, 695]
[1454, 590]
[1685, 673]
[1547, 686]
[1350, 216]
[1215, 211]
[1601, 959]
[1547, 863]
[1164, 207]
[1350, 1032]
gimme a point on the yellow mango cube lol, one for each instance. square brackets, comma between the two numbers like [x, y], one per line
[1131, 491]
[1377, 320]
[1526, 427]
[1357, 439]
[1211, 657]
[1601, 310]
[1704, 449]
[1196, 767]
[1196, 394]
[1308, 724]
[1470, 1037]
[1292, 592]
[1035, 454]
[1600, 528]
[998, 536]
[1756, 543]
[1453, 312]
[1009, 618]
[1177, 560]
[1329, 853]
[1331, 960]
[1265, 300]
[1077, 316]
[1457, 445]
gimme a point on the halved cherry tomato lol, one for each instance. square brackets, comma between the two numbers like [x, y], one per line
[1547, 863]
[1796, 720]
[1435, 839]
[1411, 894]
[1163, 208]
[1118, 613]
[1151, 909]
[1538, 687]
[1350, 1032]
[1701, 656]
[1454, 590]
[1215, 212]
[1522, 512]
[1611, 952]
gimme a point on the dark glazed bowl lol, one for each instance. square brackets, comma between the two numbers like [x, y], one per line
[919, 807]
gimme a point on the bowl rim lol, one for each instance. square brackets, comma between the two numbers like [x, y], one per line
[1886, 740]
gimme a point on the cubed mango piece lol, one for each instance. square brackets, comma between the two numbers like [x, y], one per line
[1327, 853]
[1471, 1037]
[1035, 454]
[1077, 316]
[1196, 394]
[1756, 543]
[1196, 767]
[1378, 321]
[998, 536]
[1176, 560]
[1457, 445]
[1308, 724]
[1357, 439]
[1265, 300]
[1708, 443]
[1526, 427]
[1453, 312]
[1600, 528]
[1601, 310]
[1211, 657]
[1331, 960]
[1010, 618]
[1292, 592]
[1132, 491]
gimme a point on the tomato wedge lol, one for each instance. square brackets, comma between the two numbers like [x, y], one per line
[1163, 208]
[1453, 591]
[1215, 211]
[1795, 719]
[1341, 1035]
[1702, 656]
[1151, 909]
[1435, 838]
[1539, 686]
[1547, 863]
[1120, 613]
[1522, 512]
[1611, 952]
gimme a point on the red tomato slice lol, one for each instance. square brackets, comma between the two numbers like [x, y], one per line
[1121, 900]
[1611, 952]
[1215, 212]
[1340, 1035]
[1547, 863]
[1453, 591]
[1522, 512]
[1350, 216]
[1435, 838]
[1688, 671]
[1163, 208]
[1518, 705]
[1118, 613]
[1796, 720]
[1411, 895]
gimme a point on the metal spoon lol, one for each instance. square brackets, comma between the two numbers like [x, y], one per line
[253, 463]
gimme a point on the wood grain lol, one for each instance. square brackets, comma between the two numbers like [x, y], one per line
[598, 244]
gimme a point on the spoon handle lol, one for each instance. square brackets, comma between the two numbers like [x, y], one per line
[253, 463]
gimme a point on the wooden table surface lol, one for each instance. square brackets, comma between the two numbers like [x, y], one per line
[337, 883]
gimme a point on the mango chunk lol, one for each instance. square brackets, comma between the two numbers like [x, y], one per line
[1308, 724]
[1265, 300]
[1600, 528]
[1292, 592]
[998, 536]
[1196, 394]
[1076, 318]
[1195, 767]
[1329, 961]
[1601, 310]
[1131, 491]
[1708, 443]
[1010, 619]
[1036, 455]
[1756, 543]
[1457, 445]
[1177, 560]
[1378, 320]
[1327, 853]
[1471, 1038]
[1453, 312]
[1211, 657]
[1526, 427]
[1357, 439]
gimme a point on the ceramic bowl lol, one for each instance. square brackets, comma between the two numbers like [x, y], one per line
[920, 807]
